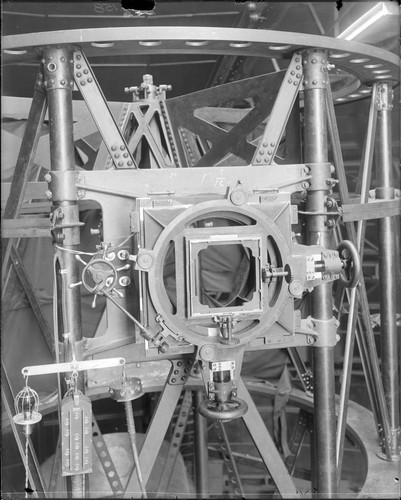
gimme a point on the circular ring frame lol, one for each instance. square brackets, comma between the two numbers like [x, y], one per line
[354, 58]
[176, 229]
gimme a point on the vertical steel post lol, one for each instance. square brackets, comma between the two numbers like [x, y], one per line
[387, 265]
[318, 233]
[200, 452]
[58, 81]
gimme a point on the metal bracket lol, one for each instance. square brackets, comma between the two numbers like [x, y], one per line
[320, 332]
[384, 96]
[316, 68]
[180, 370]
[283, 104]
[97, 105]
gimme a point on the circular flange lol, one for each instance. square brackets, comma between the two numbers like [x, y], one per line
[198, 329]
[365, 63]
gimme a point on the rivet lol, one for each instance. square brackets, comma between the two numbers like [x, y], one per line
[265, 144]
[52, 82]
[266, 160]
[62, 82]
[78, 56]
[122, 147]
[85, 71]
[313, 61]
[62, 59]
[272, 144]
[298, 75]
[258, 160]
[289, 80]
[129, 163]
[82, 82]
[116, 155]
[113, 148]
[43, 61]
[269, 152]
[292, 72]
[314, 82]
[295, 83]
[125, 155]
[89, 80]
[78, 66]
[298, 67]
[79, 75]
[261, 152]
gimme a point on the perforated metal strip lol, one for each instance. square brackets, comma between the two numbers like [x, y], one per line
[106, 461]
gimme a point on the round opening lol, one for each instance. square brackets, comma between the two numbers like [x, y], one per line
[359, 61]
[240, 45]
[102, 45]
[196, 43]
[150, 43]
[14, 52]
[340, 55]
[52, 66]
[279, 47]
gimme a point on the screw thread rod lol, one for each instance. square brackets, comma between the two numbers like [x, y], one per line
[132, 437]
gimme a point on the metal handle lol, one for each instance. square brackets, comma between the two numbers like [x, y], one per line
[351, 272]
[207, 409]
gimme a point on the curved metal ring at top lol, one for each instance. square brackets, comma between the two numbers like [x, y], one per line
[366, 62]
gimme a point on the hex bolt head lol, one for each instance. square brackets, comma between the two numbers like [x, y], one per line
[48, 177]
[48, 194]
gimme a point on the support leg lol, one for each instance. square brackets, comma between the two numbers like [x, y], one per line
[318, 233]
[58, 81]
[201, 452]
[25, 160]
[265, 445]
[154, 436]
[387, 266]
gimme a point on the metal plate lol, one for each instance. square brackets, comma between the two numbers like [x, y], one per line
[365, 62]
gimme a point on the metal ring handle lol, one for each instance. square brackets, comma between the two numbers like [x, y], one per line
[351, 264]
[211, 412]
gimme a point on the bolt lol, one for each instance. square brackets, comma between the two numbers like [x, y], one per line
[49, 194]
[48, 177]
